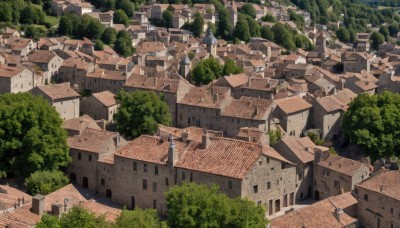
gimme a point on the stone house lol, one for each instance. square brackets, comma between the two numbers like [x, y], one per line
[157, 10]
[361, 82]
[293, 113]
[356, 62]
[379, 201]
[336, 211]
[47, 61]
[20, 46]
[300, 151]
[86, 148]
[62, 97]
[335, 175]
[154, 163]
[77, 125]
[295, 70]
[100, 80]
[16, 79]
[74, 71]
[79, 7]
[100, 106]
[327, 112]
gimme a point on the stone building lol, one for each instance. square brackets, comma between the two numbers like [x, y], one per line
[100, 106]
[74, 72]
[300, 151]
[47, 61]
[100, 80]
[334, 212]
[356, 61]
[79, 7]
[152, 164]
[293, 113]
[379, 200]
[62, 97]
[16, 79]
[334, 175]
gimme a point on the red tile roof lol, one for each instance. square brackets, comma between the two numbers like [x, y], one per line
[386, 183]
[292, 104]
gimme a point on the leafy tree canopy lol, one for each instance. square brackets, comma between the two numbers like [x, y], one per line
[120, 17]
[209, 69]
[45, 182]
[140, 112]
[139, 218]
[376, 40]
[248, 9]
[193, 205]
[31, 136]
[373, 123]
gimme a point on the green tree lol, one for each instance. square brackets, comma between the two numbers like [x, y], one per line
[202, 75]
[197, 25]
[120, 17]
[224, 24]
[283, 36]
[373, 122]
[343, 35]
[94, 30]
[6, 12]
[248, 9]
[80, 217]
[98, 45]
[140, 112]
[254, 27]
[123, 44]
[109, 35]
[268, 18]
[212, 27]
[29, 15]
[385, 32]
[45, 182]
[167, 18]
[376, 40]
[65, 26]
[267, 33]
[242, 31]
[193, 205]
[31, 32]
[31, 136]
[48, 221]
[127, 6]
[139, 218]
[231, 68]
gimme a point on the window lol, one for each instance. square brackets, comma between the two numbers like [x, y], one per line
[103, 182]
[90, 157]
[366, 197]
[191, 176]
[79, 156]
[145, 168]
[255, 188]
[154, 204]
[391, 210]
[166, 181]
[144, 184]
[154, 187]
[277, 182]
[267, 160]
[156, 170]
[268, 185]
[183, 176]
[325, 172]
[134, 166]
[230, 184]
[336, 184]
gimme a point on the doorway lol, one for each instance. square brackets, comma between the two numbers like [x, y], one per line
[85, 182]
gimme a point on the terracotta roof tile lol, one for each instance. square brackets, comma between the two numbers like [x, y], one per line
[91, 140]
[292, 104]
[386, 183]
[106, 98]
[248, 108]
[341, 164]
[59, 91]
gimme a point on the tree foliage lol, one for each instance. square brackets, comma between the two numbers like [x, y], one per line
[109, 35]
[139, 218]
[283, 36]
[224, 24]
[31, 137]
[167, 18]
[140, 112]
[193, 205]
[242, 31]
[123, 44]
[376, 40]
[209, 69]
[373, 123]
[343, 34]
[197, 25]
[120, 17]
[248, 9]
[45, 182]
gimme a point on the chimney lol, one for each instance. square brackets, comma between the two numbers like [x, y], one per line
[205, 140]
[216, 97]
[20, 202]
[23, 200]
[57, 209]
[185, 136]
[66, 204]
[38, 203]
[338, 212]
[249, 84]
[172, 153]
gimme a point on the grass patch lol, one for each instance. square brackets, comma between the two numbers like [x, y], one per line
[52, 20]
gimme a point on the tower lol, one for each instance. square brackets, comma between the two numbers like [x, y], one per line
[211, 42]
[184, 67]
[233, 14]
[321, 45]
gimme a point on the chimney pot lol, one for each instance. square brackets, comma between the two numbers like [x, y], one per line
[38, 204]
[205, 140]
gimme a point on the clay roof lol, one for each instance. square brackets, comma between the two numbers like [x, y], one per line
[9, 196]
[237, 79]
[201, 96]
[106, 98]
[91, 140]
[9, 72]
[59, 91]
[154, 83]
[338, 101]
[303, 148]
[292, 104]
[194, 133]
[341, 164]
[248, 108]
[321, 214]
[107, 74]
[41, 56]
[79, 124]
[387, 183]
